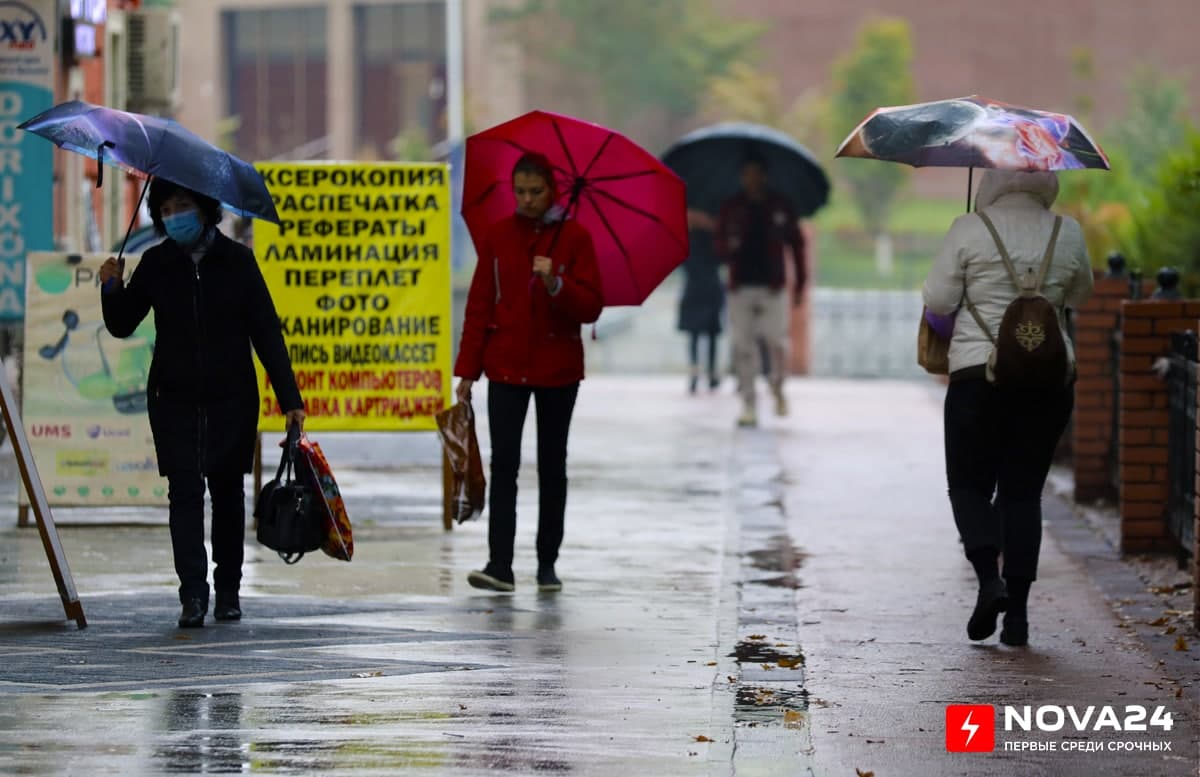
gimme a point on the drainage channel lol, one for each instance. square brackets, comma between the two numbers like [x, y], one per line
[770, 663]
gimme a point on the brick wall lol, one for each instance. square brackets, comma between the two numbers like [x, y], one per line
[1143, 420]
[1091, 428]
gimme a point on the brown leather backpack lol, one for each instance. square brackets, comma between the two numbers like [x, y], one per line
[1029, 351]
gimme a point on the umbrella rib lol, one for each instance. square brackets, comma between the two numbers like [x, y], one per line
[599, 153]
[483, 196]
[633, 209]
[616, 239]
[622, 176]
[524, 150]
[562, 141]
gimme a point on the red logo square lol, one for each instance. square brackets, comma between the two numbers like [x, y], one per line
[970, 728]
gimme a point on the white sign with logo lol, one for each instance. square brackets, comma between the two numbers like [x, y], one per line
[84, 391]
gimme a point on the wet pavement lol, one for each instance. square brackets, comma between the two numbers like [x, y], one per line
[789, 600]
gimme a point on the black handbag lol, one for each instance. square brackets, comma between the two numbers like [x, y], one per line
[290, 521]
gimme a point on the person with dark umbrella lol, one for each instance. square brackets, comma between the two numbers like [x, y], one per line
[211, 307]
[753, 231]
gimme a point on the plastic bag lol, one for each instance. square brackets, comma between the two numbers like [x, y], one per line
[312, 464]
[456, 428]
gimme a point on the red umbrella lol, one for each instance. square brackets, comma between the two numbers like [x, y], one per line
[634, 207]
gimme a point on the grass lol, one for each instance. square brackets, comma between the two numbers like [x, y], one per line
[846, 254]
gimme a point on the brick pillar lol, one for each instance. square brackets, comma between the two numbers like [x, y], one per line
[1143, 420]
[1095, 403]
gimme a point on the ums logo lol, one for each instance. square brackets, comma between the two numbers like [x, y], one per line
[20, 26]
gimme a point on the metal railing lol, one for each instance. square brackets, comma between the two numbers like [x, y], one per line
[1181, 438]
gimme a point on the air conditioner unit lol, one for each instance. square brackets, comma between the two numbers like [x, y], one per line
[152, 60]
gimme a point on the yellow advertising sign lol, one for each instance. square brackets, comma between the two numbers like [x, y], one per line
[359, 269]
[84, 391]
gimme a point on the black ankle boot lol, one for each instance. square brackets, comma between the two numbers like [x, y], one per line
[192, 615]
[1015, 632]
[992, 600]
[228, 607]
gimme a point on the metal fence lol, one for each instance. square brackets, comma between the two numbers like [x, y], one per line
[1181, 439]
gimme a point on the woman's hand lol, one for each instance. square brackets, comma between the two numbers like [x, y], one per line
[544, 266]
[295, 416]
[463, 392]
[110, 270]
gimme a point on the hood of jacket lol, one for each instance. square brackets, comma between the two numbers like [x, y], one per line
[1041, 185]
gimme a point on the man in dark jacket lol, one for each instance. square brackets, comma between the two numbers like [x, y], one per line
[211, 305]
[754, 229]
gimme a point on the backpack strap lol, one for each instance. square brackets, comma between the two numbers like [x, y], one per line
[1049, 257]
[978, 318]
[1004, 257]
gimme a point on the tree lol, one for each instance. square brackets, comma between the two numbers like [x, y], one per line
[1166, 230]
[877, 72]
[747, 93]
[632, 54]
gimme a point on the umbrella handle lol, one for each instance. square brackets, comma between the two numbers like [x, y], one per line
[100, 161]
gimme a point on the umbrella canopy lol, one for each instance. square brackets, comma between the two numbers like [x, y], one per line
[710, 160]
[633, 206]
[152, 146]
[974, 132]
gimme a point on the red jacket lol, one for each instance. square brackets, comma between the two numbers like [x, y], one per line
[514, 331]
[783, 229]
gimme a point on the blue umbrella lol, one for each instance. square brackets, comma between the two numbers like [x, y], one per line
[709, 160]
[153, 146]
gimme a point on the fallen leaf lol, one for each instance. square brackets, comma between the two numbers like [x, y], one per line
[1178, 693]
[793, 719]
[861, 773]
[781, 644]
[1181, 643]
[791, 663]
[1159, 621]
[711, 663]
[731, 678]
[183, 637]
[702, 738]
[462, 706]
[757, 636]
[368, 674]
[1170, 630]
[768, 667]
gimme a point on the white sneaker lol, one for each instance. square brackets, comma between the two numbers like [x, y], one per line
[748, 418]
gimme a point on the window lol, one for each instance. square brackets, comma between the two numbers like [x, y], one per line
[401, 69]
[276, 81]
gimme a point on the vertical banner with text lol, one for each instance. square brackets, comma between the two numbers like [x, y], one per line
[84, 398]
[359, 269]
[27, 37]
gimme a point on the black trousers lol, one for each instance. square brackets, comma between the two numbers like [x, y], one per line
[508, 405]
[185, 495]
[999, 447]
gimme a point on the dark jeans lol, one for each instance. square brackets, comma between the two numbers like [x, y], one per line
[999, 446]
[508, 405]
[185, 493]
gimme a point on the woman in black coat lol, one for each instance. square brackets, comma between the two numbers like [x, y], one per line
[210, 306]
[703, 298]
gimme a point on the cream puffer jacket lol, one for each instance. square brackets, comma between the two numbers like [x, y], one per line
[1018, 203]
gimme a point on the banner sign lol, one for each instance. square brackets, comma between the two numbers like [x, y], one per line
[27, 36]
[360, 270]
[84, 391]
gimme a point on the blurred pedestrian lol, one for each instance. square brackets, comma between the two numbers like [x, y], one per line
[535, 284]
[703, 299]
[754, 228]
[211, 306]
[1000, 441]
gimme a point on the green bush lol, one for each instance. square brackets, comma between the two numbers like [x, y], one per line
[1166, 226]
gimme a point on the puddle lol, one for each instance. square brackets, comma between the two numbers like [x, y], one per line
[754, 652]
[756, 705]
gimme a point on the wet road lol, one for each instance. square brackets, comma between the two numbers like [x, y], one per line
[783, 601]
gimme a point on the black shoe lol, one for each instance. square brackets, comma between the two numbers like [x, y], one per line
[692, 384]
[227, 608]
[492, 578]
[1015, 632]
[993, 600]
[714, 383]
[192, 615]
[548, 582]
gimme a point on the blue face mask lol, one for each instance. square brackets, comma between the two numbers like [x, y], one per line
[184, 228]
